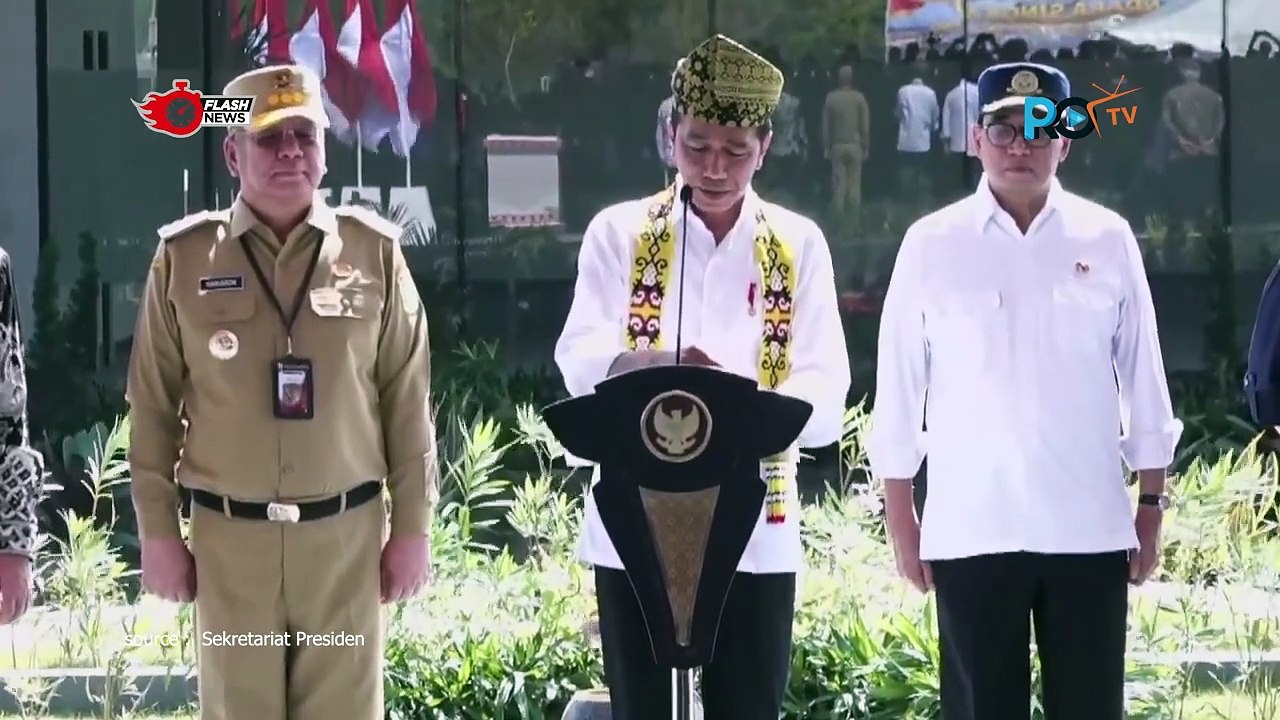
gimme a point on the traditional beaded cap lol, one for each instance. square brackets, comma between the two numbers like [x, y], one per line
[724, 82]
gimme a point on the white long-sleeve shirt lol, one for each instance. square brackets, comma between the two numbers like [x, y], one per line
[719, 321]
[1034, 363]
[918, 117]
[959, 115]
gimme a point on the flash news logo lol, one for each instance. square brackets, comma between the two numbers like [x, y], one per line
[1074, 117]
[180, 111]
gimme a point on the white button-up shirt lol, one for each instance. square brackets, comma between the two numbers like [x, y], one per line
[721, 286]
[918, 116]
[959, 115]
[1034, 363]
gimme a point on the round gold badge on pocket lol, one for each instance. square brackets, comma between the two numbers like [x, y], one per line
[224, 345]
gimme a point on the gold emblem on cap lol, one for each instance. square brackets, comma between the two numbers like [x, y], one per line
[676, 426]
[1024, 82]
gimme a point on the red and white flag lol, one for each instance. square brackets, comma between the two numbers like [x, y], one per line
[267, 30]
[314, 46]
[370, 102]
[408, 61]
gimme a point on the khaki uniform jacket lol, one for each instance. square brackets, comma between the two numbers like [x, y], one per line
[200, 378]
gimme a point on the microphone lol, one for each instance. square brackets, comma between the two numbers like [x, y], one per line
[686, 195]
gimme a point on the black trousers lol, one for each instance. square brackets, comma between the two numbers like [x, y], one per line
[987, 606]
[747, 679]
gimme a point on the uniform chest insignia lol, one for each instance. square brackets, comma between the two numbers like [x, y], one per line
[221, 283]
[224, 345]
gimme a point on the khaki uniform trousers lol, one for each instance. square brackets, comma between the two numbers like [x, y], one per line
[258, 580]
[846, 179]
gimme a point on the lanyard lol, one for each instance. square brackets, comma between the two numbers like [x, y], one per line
[275, 302]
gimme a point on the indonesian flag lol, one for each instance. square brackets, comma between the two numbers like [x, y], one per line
[314, 46]
[409, 64]
[268, 30]
[372, 99]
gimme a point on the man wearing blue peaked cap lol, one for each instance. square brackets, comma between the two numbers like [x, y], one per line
[1028, 305]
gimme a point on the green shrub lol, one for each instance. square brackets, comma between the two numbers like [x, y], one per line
[497, 638]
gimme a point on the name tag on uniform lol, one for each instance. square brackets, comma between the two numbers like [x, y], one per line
[221, 284]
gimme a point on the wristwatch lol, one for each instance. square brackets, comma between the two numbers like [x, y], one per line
[1159, 501]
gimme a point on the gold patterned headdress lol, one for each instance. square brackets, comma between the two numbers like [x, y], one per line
[724, 82]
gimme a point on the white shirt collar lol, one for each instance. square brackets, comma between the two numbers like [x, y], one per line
[751, 204]
[986, 208]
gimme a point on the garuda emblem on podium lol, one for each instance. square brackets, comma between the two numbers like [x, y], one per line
[676, 426]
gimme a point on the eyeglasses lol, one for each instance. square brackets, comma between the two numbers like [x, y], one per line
[1003, 135]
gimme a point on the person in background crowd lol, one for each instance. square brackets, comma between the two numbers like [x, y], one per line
[846, 143]
[1194, 116]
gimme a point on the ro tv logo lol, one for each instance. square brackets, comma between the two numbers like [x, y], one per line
[1075, 117]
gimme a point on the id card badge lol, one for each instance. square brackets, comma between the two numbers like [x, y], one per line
[294, 395]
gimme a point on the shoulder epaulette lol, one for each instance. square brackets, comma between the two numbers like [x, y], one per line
[370, 219]
[190, 222]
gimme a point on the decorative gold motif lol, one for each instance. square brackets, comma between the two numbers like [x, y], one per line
[1024, 82]
[778, 471]
[676, 426]
[724, 82]
[680, 524]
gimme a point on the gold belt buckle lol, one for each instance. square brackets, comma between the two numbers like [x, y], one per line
[283, 512]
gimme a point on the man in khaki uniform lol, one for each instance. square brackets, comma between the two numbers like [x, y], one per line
[280, 373]
[846, 140]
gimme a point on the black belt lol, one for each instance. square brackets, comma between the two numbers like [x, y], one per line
[289, 512]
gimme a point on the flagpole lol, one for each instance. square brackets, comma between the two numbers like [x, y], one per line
[408, 169]
[359, 157]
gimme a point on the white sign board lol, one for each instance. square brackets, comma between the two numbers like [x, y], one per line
[524, 180]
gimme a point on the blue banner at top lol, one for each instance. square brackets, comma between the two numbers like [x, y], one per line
[1048, 24]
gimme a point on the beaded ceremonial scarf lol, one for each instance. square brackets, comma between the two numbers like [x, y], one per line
[650, 277]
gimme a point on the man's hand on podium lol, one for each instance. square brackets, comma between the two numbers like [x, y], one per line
[695, 356]
[628, 361]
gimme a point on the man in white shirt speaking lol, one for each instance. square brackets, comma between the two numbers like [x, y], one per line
[749, 287]
[1018, 350]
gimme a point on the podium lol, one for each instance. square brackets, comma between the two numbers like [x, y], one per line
[680, 492]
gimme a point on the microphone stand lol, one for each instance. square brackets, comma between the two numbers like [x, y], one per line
[682, 680]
